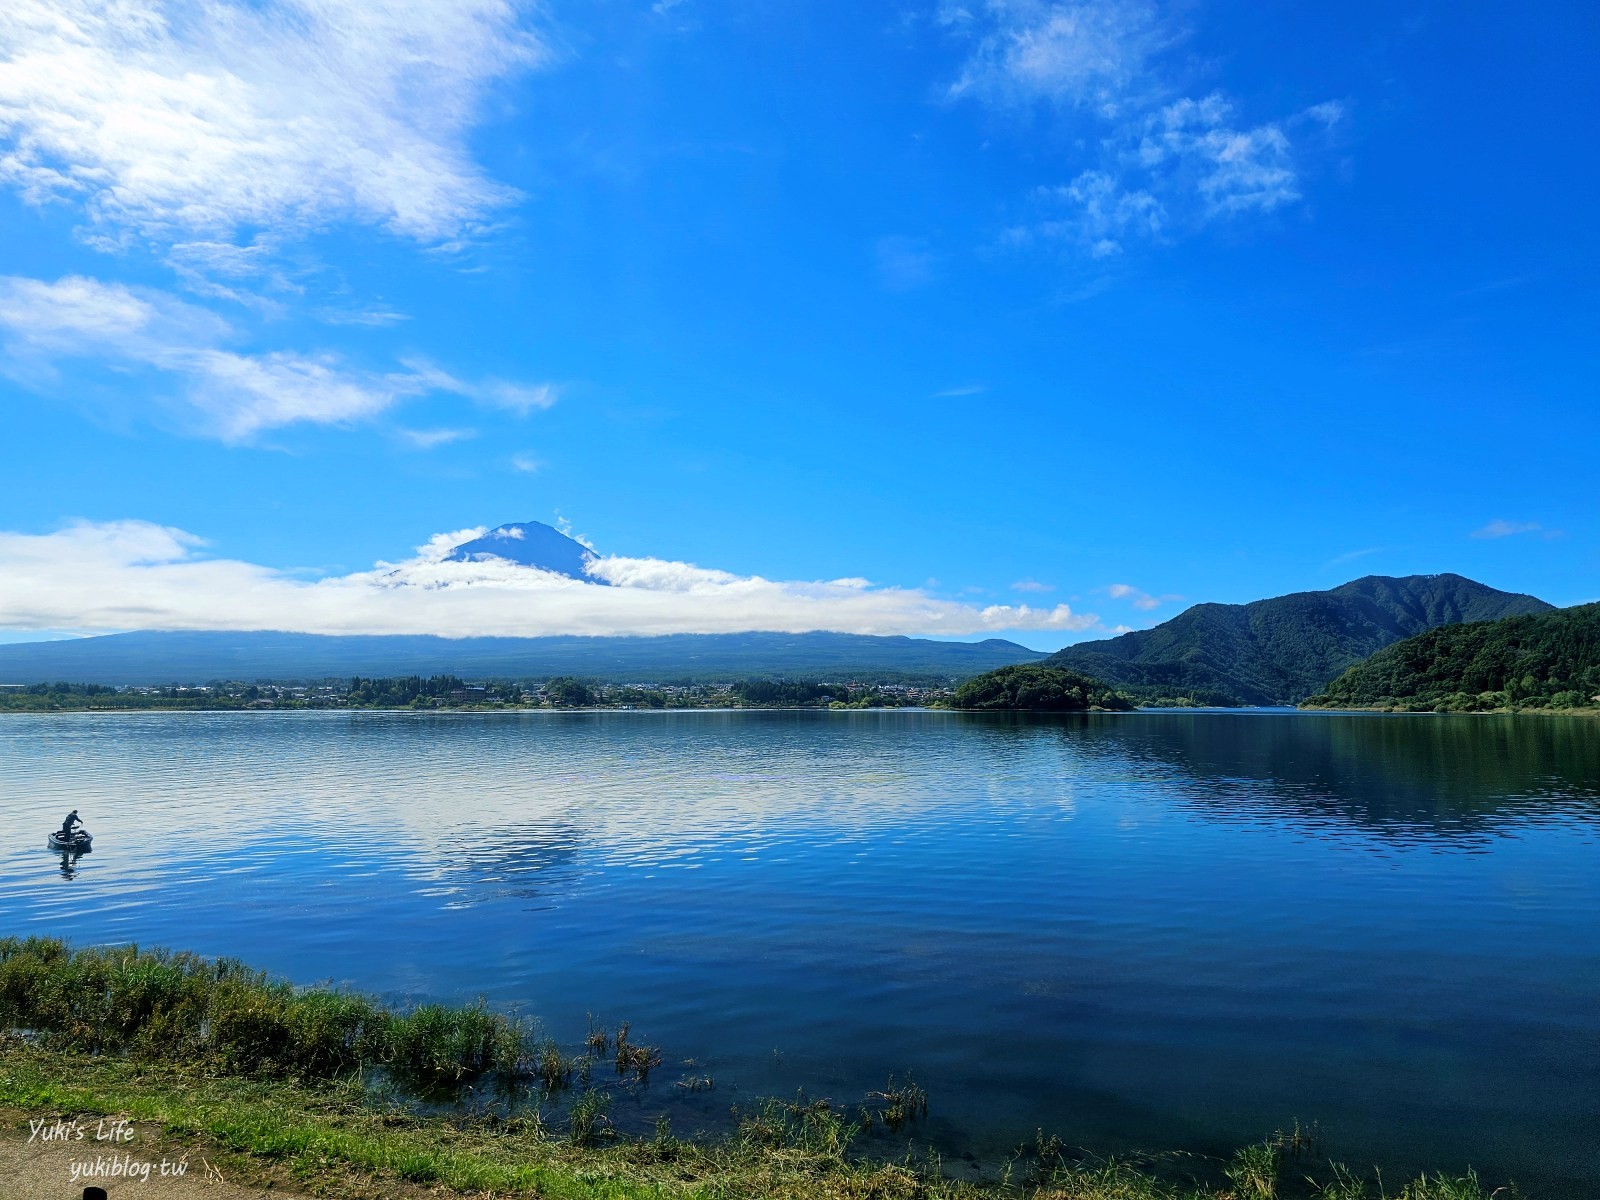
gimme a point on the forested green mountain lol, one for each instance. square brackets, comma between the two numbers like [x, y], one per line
[180, 657]
[1545, 660]
[1034, 688]
[1281, 650]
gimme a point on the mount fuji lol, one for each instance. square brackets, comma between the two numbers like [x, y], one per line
[531, 544]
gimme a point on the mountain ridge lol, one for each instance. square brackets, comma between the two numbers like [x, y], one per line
[1281, 649]
[531, 544]
[161, 657]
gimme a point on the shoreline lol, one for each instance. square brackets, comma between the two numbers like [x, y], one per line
[340, 1094]
[337, 1139]
[1389, 710]
[523, 710]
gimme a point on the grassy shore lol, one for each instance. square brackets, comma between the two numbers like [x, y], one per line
[318, 1087]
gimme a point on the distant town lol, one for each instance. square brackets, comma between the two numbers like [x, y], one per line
[446, 692]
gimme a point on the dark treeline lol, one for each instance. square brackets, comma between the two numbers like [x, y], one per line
[1037, 689]
[781, 693]
[451, 691]
[1548, 660]
[66, 689]
[49, 697]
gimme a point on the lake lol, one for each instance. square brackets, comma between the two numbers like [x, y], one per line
[1163, 931]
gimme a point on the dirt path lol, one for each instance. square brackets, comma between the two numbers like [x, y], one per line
[128, 1169]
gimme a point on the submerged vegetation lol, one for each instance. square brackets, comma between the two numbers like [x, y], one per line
[278, 1083]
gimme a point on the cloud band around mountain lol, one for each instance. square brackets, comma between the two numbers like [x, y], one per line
[125, 575]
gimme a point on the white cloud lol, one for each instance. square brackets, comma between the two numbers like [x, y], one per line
[136, 575]
[1502, 528]
[374, 318]
[1100, 214]
[225, 271]
[231, 394]
[222, 133]
[565, 527]
[1032, 585]
[521, 399]
[966, 389]
[427, 439]
[1075, 54]
[518, 398]
[526, 463]
[181, 119]
[1232, 170]
[1157, 165]
[1140, 599]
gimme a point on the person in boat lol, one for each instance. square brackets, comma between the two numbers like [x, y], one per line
[66, 826]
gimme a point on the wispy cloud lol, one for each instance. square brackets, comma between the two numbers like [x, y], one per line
[1077, 55]
[1140, 599]
[232, 395]
[221, 135]
[1504, 529]
[1338, 560]
[249, 274]
[375, 318]
[1160, 163]
[904, 263]
[526, 463]
[167, 120]
[1032, 585]
[428, 439]
[517, 398]
[967, 389]
[1096, 213]
[136, 575]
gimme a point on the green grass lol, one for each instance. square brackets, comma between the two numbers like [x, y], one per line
[341, 1140]
[283, 1080]
[156, 1004]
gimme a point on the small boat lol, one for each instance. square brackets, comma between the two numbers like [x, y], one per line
[79, 840]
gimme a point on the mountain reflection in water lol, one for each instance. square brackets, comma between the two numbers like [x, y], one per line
[1455, 777]
[1146, 931]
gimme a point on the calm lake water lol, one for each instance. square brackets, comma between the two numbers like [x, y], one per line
[1147, 932]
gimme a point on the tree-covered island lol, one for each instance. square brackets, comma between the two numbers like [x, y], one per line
[1038, 689]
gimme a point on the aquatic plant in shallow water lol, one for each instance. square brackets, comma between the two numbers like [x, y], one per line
[901, 1103]
[1254, 1171]
[588, 1120]
[438, 1046]
[553, 1068]
[637, 1060]
[812, 1126]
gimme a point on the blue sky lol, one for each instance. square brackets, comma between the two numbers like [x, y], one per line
[1045, 319]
